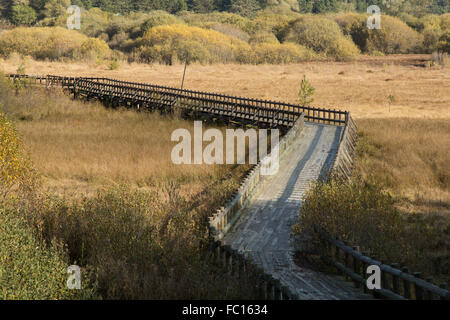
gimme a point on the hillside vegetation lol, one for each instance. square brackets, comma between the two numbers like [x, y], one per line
[268, 36]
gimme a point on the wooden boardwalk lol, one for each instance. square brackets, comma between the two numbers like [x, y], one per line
[263, 231]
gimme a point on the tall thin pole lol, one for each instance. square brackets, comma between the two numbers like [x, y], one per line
[184, 73]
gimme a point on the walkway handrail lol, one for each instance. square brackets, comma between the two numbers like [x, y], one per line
[395, 283]
[312, 114]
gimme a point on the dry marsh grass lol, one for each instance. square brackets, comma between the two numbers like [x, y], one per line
[410, 156]
[114, 203]
[360, 86]
[78, 147]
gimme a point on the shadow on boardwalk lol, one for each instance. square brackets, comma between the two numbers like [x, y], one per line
[263, 231]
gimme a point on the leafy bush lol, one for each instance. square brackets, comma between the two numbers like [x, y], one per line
[431, 31]
[321, 35]
[275, 53]
[22, 14]
[355, 26]
[52, 43]
[358, 212]
[229, 30]
[444, 42]
[30, 270]
[159, 20]
[362, 213]
[265, 37]
[93, 49]
[139, 244]
[178, 43]
[198, 20]
[15, 168]
[393, 37]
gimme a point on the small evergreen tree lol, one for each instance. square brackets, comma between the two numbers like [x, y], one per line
[306, 92]
[246, 8]
[305, 6]
[22, 14]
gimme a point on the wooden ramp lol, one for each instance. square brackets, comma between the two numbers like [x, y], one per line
[263, 232]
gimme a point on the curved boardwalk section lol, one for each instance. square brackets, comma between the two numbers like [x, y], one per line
[263, 231]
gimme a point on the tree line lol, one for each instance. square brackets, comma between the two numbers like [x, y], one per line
[30, 11]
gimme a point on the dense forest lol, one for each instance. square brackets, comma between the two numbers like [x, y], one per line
[29, 11]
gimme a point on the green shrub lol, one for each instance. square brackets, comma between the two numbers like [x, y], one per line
[159, 20]
[445, 21]
[198, 20]
[114, 64]
[30, 270]
[321, 35]
[276, 53]
[393, 37]
[355, 26]
[139, 244]
[362, 213]
[265, 37]
[93, 49]
[431, 31]
[52, 43]
[229, 30]
[169, 44]
[16, 172]
[411, 21]
[444, 42]
[22, 14]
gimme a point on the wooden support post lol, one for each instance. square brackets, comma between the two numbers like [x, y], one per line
[356, 268]
[428, 293]
[384, 284]
[364, 272]
[418, 291]
[277, 290]
[395, 279]
[406, 285]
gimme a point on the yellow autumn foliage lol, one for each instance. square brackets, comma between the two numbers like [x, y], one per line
[15, 168]
[53, 43]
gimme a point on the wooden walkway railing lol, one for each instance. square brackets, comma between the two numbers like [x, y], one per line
[263, 113]
[397, 282]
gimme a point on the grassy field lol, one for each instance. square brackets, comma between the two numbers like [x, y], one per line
[410, 150]
[80, 149]
[361, 86]
[112, 201]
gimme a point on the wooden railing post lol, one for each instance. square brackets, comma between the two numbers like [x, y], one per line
[406, 284]
[356, 267]
[384, 284]
[364, 271]
[418, 291]
[428, 293]
[395, 280]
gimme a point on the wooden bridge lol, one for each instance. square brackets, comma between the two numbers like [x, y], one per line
[261, 113]
[254, 226]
